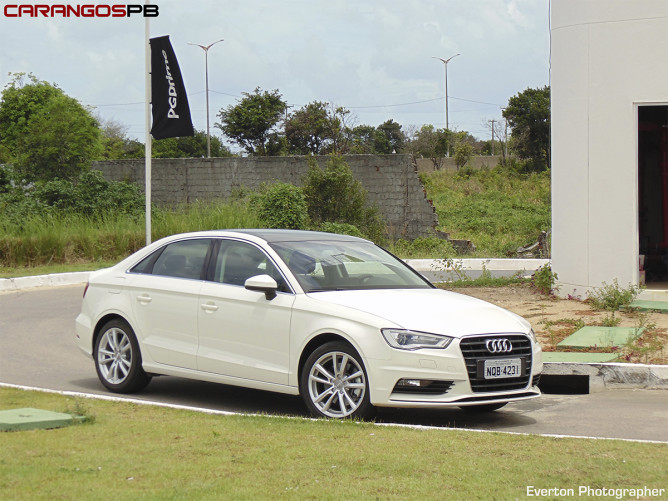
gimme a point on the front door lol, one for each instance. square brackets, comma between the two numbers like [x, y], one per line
[242, 333]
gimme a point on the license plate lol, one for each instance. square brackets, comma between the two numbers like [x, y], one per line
[495, 369]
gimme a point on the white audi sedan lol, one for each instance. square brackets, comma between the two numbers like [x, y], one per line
[333, 318]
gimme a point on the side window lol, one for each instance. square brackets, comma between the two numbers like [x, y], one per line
[184, 259]
[238, 261]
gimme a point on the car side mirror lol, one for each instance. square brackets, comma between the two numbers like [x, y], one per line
[262, 283]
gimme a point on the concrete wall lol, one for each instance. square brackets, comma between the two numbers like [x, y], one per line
[449, 164]
[607, 58]
[391, 181]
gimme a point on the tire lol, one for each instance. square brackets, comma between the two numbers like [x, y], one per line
[334, 383]
[117, 358]
[483, 407]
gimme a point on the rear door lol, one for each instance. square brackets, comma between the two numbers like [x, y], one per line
[164, 295]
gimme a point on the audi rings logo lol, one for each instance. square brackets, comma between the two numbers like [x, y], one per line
[501, 345]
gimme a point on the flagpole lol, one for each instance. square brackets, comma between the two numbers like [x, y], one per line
[147, 147]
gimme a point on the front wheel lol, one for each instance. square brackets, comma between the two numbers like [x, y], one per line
[334, 383]
[117, 358]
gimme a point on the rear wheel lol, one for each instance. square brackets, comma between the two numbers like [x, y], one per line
[334, 383]
[117, 358]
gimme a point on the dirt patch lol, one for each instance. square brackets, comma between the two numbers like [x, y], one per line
[555, 319]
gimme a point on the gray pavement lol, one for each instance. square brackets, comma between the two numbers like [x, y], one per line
[38, 350]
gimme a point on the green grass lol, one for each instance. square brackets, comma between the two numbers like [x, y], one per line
[128, 451]
[64, 238]
[497, 211]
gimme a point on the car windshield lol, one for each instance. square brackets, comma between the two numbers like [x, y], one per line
[344, 265]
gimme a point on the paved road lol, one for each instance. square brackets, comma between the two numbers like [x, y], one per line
[37, 349]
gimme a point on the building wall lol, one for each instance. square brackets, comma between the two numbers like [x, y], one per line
[391, 181]
[607, 57]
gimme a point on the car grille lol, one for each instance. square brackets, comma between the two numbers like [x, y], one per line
[475, 353]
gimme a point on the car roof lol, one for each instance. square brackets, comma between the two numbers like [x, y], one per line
[280, 235]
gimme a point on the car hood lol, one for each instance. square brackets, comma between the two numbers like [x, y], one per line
[429, 310]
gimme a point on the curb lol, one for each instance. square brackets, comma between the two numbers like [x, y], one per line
[606, 376]
[52, 280]
[601, 376]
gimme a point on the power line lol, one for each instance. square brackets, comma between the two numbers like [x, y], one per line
[348, 107]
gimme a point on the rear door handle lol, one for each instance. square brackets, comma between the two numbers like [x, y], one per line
[209, 307]
[144, 299]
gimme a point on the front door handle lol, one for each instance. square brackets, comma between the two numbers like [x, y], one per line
[209, 307]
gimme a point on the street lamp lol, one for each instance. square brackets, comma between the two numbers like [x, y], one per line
[445, 63]
[206, 48]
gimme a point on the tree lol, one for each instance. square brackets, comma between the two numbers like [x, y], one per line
[431, 143]
[312, 129]
[388, 138]
[116, 145]
[528, 115]
[45, 133]
[188, 147]
[250, 123]
[463, 153]
[360, 139]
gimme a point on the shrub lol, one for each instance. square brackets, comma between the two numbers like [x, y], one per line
[90, 195]
[341, 229]
[424, 247]
[281, 205]
[612, 297]
[5, 179]
[544, 279]
[334, 195]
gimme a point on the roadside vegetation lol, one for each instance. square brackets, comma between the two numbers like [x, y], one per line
[499, 210]
[55, 211]
[64, 223]
[180, 454]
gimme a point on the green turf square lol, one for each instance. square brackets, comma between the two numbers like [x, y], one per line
[32, 419]
[643, 305]
[602, 337]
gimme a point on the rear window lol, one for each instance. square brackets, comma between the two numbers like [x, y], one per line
[183, 259]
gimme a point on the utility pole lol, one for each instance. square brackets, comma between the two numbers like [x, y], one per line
[493, 122]
[505, 146]
[445, 63]
[206, 48]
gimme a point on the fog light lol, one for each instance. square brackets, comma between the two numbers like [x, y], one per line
[422, 386]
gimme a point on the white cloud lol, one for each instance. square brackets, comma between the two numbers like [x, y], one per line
[351, 53]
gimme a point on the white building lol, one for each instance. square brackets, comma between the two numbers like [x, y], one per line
[609, 82]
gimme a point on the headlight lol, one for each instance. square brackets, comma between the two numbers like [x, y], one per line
[412, 340]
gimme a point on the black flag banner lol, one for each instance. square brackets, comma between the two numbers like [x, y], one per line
[171, 113]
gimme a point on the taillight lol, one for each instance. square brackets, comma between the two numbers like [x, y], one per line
[86, 289]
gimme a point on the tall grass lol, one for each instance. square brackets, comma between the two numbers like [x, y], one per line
[62, 237]
[497, 210]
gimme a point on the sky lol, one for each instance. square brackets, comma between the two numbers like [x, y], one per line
[373, 57]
